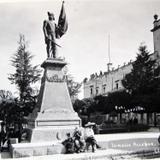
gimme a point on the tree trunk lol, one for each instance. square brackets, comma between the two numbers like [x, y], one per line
[155, 120]
[148, 118]
[120, 118]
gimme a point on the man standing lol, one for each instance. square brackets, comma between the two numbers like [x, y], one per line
[49, 29]
[53, 31]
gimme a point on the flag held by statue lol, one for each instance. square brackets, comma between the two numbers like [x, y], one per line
[62, 22]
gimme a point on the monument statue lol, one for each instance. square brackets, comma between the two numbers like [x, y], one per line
[52, 31]
[53, 115]
[49, 29]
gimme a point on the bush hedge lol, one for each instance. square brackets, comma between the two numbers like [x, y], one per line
[115, 128]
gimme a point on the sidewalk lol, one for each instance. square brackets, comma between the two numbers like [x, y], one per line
[118, 136]
[99, 154]
[108, 153]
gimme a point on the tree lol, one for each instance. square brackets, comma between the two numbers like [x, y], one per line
[78, 106]
[25, 74]
[6, 98]
[89, 106]
[9, 109]
[142, 81]
[73, 87]
[119, 99]
[85, 106]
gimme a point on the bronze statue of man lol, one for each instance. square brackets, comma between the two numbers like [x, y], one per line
[52, 31]
[49, 29]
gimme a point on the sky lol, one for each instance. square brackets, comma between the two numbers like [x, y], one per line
[85, 44]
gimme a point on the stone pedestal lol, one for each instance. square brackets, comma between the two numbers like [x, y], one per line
[54, 115]
[52, 118]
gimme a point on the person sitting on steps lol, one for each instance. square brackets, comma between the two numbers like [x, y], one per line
[78, 141]
[69, 144]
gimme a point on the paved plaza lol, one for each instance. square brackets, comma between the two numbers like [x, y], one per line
[119, 146]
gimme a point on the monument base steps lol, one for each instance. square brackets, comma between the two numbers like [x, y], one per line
[36, 149]
[131, 142]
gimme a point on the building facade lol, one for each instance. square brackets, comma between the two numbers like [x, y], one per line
[111, 81]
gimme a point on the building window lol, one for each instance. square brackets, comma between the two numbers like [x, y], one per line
[117, 85]
[104, 88]
[97, 90]
[91, 90]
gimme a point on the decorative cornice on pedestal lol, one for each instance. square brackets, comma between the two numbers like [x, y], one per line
[55, 78]
[54, 62]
